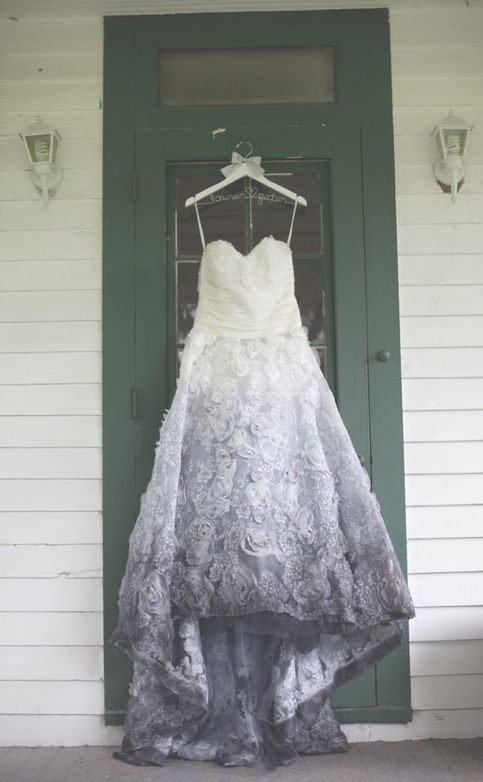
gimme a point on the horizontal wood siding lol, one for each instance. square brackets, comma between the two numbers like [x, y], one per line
[51, 641]
[437, 65]
[51, 631]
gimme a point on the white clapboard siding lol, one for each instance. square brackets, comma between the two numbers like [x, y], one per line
[50, 431]
[442, 331]
[440, 238]
[79, 367]
[43, 97]
[51, 628]
[452, 457]
[444, 588]
[414, 60]
[52, 730]
[412, 120]
[445, 362]
[48, 336]
[45, 66]
[50, 275]
[419, 149]
[444, 489]
[75, 126]
[52, 697]
[72, 155]
[443, 393]
[440, 247]
[439, 659]
[64, 398]
[37, 306]
[51, 601]
[447, 623]
[44, 245]
[62, 593]
[424, 28]
[439, 724]
[50, 463]
[49, 494]
[413, 209]
[62, 527]
[441, 269]
[437, 556]
[44, 663]
[70, 214]
[77, 183]
[443, 425]
[418, 179]
[449, 691]
[450, 521]
[22, 561]
[441, 300]
[49, 36]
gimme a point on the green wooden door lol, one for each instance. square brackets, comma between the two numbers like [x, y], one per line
[341, 157]
[171, 166]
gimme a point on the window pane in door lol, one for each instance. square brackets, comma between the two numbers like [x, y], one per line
[222, 214]
[272, 211]
[310, 297]
[187, 297]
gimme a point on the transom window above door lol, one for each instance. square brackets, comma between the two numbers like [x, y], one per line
[246, 76]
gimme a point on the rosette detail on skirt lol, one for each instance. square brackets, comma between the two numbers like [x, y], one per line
[260, 572]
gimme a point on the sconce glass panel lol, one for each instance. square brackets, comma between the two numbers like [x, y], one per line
[454, 142]
[55, 144]
[39, 147]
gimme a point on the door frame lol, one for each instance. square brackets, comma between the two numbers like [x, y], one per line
[363, 68]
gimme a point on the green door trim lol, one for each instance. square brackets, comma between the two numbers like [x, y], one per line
[130, 104]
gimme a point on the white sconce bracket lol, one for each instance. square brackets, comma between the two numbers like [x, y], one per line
[446, 175]
[41, 144]
[47, 178]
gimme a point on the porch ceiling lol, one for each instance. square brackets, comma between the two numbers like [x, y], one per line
[21, 9]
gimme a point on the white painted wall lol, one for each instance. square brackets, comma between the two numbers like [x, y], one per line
[51, 688]
[51, 657]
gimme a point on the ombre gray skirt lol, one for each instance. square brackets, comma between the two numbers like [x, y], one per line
[260, 572]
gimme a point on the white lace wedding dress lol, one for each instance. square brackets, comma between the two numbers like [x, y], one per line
[260, 572]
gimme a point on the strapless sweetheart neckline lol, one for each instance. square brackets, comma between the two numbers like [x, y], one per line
[247, 295]
[247, 255]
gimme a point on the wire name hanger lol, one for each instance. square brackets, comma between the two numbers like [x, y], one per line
[241, 166]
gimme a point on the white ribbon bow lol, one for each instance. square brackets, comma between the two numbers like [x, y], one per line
[252, 162]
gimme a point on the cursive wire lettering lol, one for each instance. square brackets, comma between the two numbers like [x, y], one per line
[249, 191]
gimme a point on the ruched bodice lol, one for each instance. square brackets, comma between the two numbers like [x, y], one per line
[247, 296]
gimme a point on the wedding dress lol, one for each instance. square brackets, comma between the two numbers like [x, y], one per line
[260, 573]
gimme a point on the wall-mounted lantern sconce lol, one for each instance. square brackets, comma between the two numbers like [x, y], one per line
[451, 136]
[41, 143]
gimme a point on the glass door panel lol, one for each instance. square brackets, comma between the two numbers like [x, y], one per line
[222, 214]
[272, 212]
[328, 258]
